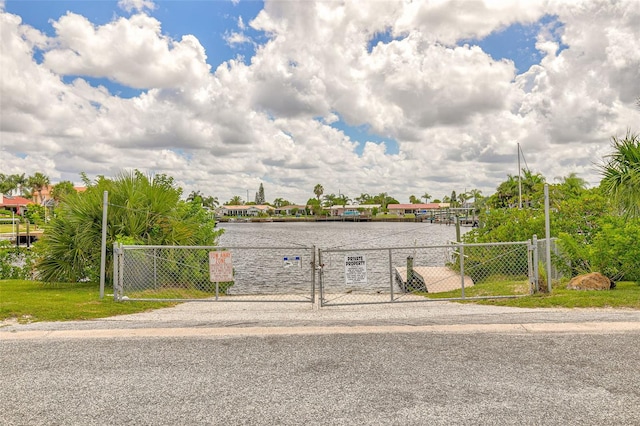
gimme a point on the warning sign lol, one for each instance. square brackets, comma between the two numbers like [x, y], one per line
[355, 269]
[220, 266]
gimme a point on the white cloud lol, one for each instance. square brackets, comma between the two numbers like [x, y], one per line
[455, 112]
[130, 51]
[139, 5]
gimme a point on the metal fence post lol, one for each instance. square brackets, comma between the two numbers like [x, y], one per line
[116, 272]
[461, 247]
[536, 259]
[320, 278]
[391, 274]
[313, 274]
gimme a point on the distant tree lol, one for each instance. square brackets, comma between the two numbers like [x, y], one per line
[16, 183]
[621, 174]
[330, 200]
[475, 194]
[426, 197]
[210, 202]
[453, 199]
[61, 190]
[414, 200]
[236, 200]
[384, 200]
[260, 195]
[7, 185]
[462, 198]
[38, 182]
[318, 190]
[343, 200]
[280, 202]
[364, 198]
[195, 195]
[437, 201]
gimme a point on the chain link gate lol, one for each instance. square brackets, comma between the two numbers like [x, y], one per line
[214, 273]
[409, 274]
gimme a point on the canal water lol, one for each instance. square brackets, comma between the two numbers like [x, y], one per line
[275, 257]
[330, 235]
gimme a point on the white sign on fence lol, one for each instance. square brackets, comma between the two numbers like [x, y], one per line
[220, 266]
[355, 269]
[289, 261]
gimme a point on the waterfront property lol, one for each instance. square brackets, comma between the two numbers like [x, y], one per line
[15, 204]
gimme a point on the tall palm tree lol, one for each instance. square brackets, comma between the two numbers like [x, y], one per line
[621, 174]
[426, 197]
[38, 182]
[318, 190]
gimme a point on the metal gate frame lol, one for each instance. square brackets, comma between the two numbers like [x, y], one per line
[532, 271]
[118, 274]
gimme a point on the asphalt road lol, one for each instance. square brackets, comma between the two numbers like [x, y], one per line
[580, 372]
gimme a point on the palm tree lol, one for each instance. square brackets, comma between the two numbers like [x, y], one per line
[572, 185]
[364, 198]
[144, 210]
[195, 194]
[462, 198]
[426, 197]
[7, 184]
[343, 200]
[475, 194]
[210, 202]
[414, 200]
[330, 200]
[318, 190]
[236, 200]
[37, 183]
[621, 174]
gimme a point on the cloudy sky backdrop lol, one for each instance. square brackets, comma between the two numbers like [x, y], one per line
[403, 97]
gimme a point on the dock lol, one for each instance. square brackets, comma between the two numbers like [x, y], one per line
[432, 279]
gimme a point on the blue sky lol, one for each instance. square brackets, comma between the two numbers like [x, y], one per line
[436, 92]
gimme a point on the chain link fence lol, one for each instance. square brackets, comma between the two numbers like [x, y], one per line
[409, 274]
[455, 271]
[178, 273]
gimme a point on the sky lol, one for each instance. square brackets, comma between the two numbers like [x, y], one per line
[402, 97]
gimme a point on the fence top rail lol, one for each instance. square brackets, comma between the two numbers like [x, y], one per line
[217, 248]
[447, 246]
[344, 250]
[502, 243]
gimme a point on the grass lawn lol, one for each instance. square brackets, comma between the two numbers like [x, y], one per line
[30, 301]
[625, 295]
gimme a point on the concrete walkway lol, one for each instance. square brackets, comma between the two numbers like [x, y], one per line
[259, 318]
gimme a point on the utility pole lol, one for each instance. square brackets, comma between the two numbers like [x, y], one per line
[519, 180]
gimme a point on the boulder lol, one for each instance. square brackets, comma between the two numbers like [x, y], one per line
[592, 281]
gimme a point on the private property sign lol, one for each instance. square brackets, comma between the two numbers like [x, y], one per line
[355, 269]
[220, 266]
